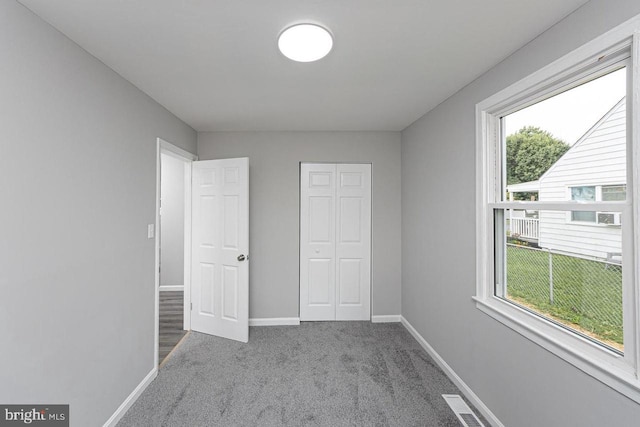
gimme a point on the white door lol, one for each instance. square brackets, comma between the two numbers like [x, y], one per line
[335, 242]
[220, 244]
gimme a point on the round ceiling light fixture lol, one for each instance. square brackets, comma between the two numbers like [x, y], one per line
[305, 42]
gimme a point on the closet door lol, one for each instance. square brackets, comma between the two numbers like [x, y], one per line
[317, 241]
[353, 242]
[335, 242]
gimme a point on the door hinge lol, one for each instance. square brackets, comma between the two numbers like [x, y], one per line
[191, 306]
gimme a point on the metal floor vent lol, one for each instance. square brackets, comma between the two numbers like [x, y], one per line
[462, 410]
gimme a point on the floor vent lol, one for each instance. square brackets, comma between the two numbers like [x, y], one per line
[462, 410]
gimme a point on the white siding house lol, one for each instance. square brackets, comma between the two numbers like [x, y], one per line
[593, 169]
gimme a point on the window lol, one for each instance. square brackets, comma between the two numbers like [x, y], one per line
[583, 194]
[604, 193]
[566, 279]
[613, 193]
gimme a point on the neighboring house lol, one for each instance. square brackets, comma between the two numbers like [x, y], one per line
[593, 169]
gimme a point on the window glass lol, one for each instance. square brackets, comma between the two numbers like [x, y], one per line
[583, 194]
[576, 284]
[558, 265]
[614, 193]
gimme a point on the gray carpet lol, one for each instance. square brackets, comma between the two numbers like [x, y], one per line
[316, 374]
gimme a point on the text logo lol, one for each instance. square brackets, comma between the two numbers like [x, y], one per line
[34, 415]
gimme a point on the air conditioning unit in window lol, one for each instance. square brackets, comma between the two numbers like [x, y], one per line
[609, 218]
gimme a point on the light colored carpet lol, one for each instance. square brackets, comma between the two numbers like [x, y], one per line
[316, 374]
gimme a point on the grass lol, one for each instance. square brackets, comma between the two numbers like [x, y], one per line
[587, 295]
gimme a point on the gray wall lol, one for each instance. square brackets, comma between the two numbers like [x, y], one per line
[274, 159]
[522, 383]
[77, 184]
[172, 222]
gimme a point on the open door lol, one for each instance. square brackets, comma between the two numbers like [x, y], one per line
[220, 245]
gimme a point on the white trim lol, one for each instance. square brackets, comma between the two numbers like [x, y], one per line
[156, 272]
[174, 151]
[466, 390]
[131, 399]
[572, 205]
[631, 299]
[165, 147]
[168, 288]
[186, 313]
[275, 321]
[387, 318]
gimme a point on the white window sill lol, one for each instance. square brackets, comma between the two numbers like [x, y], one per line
[594, 224]
[605, 365]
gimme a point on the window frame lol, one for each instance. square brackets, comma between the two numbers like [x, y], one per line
[619, 371]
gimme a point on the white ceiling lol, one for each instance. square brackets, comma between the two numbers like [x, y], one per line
[215, 63]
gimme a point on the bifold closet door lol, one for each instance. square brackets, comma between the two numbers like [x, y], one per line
[335, 241]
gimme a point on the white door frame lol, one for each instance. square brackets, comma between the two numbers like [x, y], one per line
[164, 147]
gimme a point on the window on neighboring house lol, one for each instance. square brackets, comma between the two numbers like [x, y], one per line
[583, 194]
[603, 193]
[612, 193]
[569, 289]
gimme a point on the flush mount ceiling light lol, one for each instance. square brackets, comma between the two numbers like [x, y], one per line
[305, 42]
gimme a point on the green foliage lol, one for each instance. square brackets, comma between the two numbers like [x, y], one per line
[530, 153]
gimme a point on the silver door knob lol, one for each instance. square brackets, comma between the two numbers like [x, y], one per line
[241, 258]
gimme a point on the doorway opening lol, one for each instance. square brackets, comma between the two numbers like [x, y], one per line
[173, 240]
[211, 208]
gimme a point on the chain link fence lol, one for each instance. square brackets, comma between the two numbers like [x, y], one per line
[584, 294]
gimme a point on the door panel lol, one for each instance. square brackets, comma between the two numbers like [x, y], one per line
[207, 273]
[350, 279]
[320, 281]
[231, 222]
[321, 219]
[350, 220]
[230, 292]
[220, 234]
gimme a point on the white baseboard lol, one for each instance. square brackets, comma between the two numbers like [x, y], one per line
[469, 394]
[275, 321]
[129, 401]
[388, 318]
[171, 288]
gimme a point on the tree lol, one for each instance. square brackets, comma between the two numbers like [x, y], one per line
[530, 153]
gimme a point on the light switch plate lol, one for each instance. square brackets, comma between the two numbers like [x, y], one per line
[151, 231]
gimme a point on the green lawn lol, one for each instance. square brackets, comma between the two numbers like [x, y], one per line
[586, 293]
